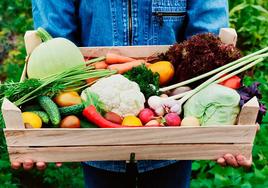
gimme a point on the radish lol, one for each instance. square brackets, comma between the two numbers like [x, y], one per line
[146, 115]
[172, 119]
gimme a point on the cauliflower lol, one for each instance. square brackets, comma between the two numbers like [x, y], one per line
[118, 94]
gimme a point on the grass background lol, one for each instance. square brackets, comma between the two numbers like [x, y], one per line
[248, 17]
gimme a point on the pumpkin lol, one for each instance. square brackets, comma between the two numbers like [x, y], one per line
[53, 56]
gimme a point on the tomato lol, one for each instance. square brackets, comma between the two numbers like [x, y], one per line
[70, 122]
[131, 121]
[234, 82]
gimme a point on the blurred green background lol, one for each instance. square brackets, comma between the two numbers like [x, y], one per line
[248, 17]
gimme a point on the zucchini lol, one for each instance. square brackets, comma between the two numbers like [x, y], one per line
[72, 110]
[51, 109]
[43, 115]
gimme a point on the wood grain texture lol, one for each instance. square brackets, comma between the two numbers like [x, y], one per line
[31, 41]
[146, 152]
[130, 136]
[23, 75]
[249, 112]
[12, 115]
[130, 51]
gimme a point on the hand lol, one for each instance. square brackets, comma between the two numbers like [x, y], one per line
[235, 161]
[28, 164]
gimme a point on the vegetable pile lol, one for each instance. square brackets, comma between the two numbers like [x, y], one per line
[195, 83]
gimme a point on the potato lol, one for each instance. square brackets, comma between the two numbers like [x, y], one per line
[190, 121]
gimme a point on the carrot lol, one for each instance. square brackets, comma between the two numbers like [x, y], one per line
[100, 65]
[112, 58]
[91, 80]
[147, 64]
[122, 68]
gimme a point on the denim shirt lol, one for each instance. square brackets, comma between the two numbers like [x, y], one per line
[129, 22]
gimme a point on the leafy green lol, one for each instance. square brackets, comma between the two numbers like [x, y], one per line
[91, 98]
[16, 90]
[146, 79]
[21, 92]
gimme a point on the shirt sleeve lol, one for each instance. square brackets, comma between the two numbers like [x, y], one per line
[58, 17]
[206, 16]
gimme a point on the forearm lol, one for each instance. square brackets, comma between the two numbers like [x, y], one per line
[206, 16]
[57, 17]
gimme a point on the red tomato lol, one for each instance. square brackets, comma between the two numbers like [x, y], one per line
[234, 82]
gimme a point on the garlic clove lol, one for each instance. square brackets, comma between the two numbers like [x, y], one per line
[176, 109]
[154, 102]
[160, 111]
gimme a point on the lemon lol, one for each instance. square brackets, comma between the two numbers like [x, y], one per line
[31, 120]
[131, 121]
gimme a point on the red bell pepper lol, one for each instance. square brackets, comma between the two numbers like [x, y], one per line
[234, 82]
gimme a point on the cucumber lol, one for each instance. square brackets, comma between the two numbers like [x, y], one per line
[51, 109]
[72, 110]
[43, 115]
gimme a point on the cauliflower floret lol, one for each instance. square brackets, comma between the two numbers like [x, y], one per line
[119, 95]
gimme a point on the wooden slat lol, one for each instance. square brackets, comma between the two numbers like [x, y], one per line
[31, 41]
[130, 51]
[130, 136]
[249, 112]
[23, 75]
[12, 115]
[147, 152]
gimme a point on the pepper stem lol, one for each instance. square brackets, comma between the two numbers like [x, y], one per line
[43, 34]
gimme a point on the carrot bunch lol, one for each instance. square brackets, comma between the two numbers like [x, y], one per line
[119, 63]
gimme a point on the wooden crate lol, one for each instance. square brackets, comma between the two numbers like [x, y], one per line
[151, 143]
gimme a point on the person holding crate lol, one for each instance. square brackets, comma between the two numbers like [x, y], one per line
[132, 22]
